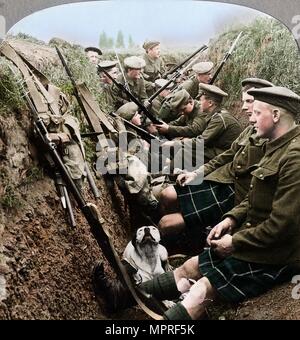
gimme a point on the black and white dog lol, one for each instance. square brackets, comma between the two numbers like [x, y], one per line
[146, 255]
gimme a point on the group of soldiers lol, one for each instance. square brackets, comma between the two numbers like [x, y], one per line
[245, 210]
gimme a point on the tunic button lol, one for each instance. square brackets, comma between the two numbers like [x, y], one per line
[251, 186]
[243, 153]
[261, 176]
[239, 167]
[248, 224]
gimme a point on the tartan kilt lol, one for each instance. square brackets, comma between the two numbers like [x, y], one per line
[237, 280]
[204, 205]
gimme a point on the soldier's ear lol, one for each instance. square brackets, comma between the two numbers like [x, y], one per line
[276, 115]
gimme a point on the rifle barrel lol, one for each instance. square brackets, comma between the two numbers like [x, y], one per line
[142, 108]
[202, 48]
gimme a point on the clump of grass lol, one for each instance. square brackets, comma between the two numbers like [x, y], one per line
[10, 94]
[10, 199]
[266, 50]
[33, 174]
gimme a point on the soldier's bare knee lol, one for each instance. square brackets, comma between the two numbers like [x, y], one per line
[168, 196]
[190, 269]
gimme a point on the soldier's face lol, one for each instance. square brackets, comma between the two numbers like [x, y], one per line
[188, 108]
[134, 73]
[248, 102]
[93, 57]
[265, 120]
[204, 78]
[206, 104]
[113, 72]
[154, 52]
[136, 120]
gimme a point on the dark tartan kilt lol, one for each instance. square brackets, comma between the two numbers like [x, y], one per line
[236, 280]
[204, 205]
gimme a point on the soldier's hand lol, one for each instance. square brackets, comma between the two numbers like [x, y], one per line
[185, 179]
[224, 246]
[162, 128]
[220, 229]
[147, 104]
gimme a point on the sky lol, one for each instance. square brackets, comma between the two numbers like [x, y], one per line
[174, 23]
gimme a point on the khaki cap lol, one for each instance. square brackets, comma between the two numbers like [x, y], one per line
[127, 111]
[134, 62]
[278, 96]
[212, 90]
[179, 99]
[256, 83]
[150, 44]
[162, 82]
[203, 67]
[108, 64]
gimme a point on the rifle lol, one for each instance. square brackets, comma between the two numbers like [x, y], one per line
[94, 220]
[184, 61]
[79, 100]
[64, 197]
[226, 57]
[147, 136]
[176, 75]
[141, 107]
[122, 71]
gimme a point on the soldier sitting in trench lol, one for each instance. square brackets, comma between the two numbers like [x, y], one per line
[257, 244]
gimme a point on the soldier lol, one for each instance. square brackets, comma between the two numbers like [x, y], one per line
[159, 100]
[190, 124]
[154, 65]
[221, 127]
[106, 83]
[136, 84]
[203, 75]
[256, 246]
[93, 54]
[226, 179]
[135, 157]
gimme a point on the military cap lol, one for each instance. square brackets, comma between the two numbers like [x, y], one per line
[127, 111]
[179, 99]
[203, 67]
[134, 62]
[162, 82]
[278, 96]
[108, 64]
[256, 83]
[213, 91]
[93, 49]
[150, 44]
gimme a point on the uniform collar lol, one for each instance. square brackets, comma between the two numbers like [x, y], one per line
[281, 141]
[152, 61]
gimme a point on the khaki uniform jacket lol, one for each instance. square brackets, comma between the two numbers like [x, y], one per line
[269, 218]
[191, 86]
[108, 95]
[235, 165]
[157, 104]
[221, 130]
[137, 88]
[154, 69]
[166, 112]
[188, 126]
